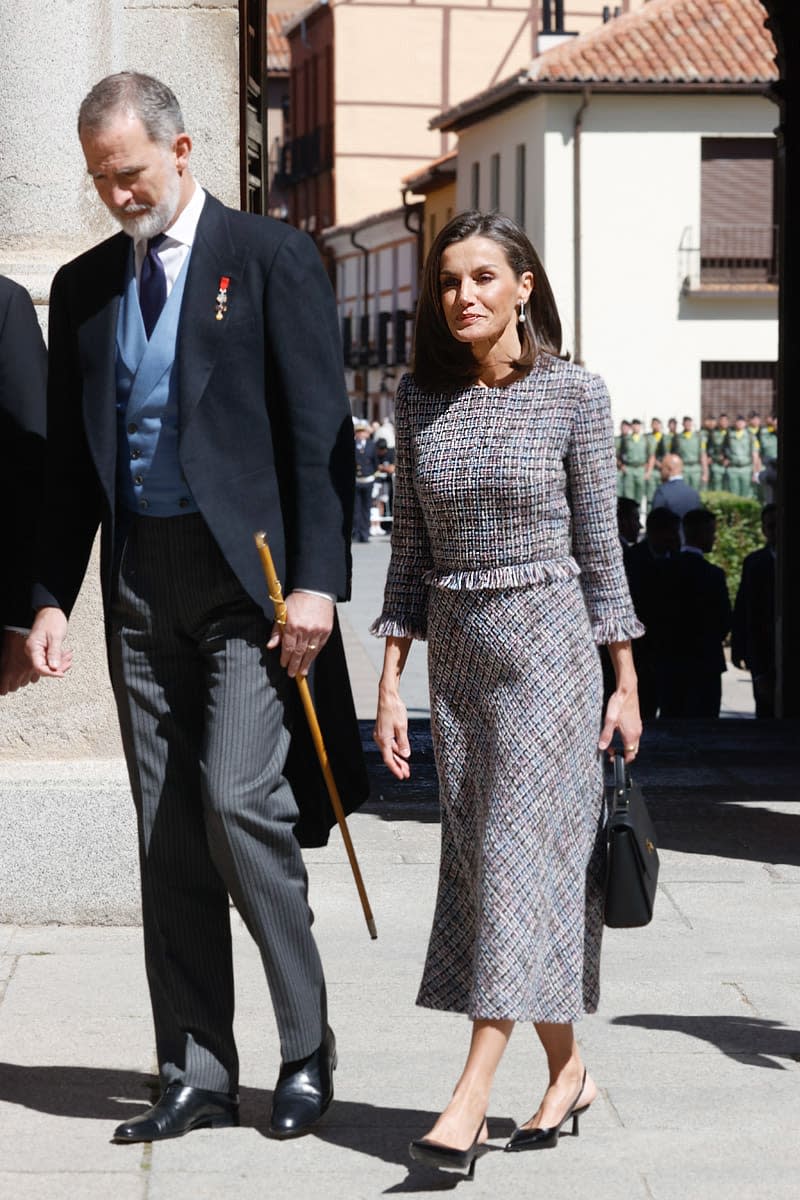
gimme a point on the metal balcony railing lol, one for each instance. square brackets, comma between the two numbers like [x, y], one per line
[305, 156]
[728, 256]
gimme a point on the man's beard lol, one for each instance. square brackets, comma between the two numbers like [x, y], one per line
[146, 221]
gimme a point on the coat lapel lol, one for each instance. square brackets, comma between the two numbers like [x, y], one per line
[97, 341]
[201, 336]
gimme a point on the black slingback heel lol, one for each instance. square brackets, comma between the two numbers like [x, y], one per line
[545, 1139]
[436, 1154]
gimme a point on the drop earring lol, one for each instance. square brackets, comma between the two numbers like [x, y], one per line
[521, 317]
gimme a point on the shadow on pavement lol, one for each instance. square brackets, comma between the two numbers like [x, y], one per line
[753, 1042]
[707, 784]
[112, 1095]
[725, 827]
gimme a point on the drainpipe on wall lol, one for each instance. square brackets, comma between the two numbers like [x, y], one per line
[365, 251]
[576, 222]
[419, 232]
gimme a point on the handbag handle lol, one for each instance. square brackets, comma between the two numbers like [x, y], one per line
[622, 781]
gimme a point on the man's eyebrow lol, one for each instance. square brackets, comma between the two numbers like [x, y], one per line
[132, 170]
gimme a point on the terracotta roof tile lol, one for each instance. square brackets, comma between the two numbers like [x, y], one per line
[277, 44]
[668, 41]
[445, 166]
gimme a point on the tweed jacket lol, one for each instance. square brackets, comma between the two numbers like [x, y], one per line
[505, 488]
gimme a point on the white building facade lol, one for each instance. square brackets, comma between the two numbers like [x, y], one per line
[615, 185]
[639, 224]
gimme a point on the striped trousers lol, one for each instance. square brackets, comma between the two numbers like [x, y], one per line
[200, 703]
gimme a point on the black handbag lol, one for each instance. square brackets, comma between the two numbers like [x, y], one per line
[632, 856]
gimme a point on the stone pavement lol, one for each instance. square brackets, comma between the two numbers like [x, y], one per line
[696, 1046]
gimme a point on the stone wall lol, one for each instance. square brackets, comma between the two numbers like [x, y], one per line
[52, 55]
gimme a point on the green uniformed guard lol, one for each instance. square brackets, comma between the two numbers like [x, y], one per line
[754, 429]
[768, 441]
[632, 457]
[656, 449]
[715, 452]
[706, 436]
[739, 458]
[689, 447]
[768, 438]
[624, 431]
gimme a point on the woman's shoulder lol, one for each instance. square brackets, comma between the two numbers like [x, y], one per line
[562, 370]
[568, 380]
[410, 386]
[410, 393]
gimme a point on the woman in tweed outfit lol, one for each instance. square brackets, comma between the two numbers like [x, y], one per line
[505, 556]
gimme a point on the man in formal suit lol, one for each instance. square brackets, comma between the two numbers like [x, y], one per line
[698, 611]
[646, 565]
[196, 396]
[23, 378]
[674, 492]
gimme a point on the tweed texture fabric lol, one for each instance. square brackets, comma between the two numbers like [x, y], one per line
[506, 556]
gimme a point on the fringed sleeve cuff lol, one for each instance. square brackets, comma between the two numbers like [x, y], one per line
[616, 629]
[388, 626]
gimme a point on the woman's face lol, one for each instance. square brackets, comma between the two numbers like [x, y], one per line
[480, 295]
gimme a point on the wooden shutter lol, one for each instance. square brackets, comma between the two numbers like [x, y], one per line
[738, 387]
[737, 235]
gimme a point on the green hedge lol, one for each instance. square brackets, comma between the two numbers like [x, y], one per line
[738, 533]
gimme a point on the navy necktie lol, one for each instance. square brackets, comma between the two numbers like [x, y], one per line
[152, 285]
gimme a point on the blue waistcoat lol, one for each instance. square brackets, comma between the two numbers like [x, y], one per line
[149, 478]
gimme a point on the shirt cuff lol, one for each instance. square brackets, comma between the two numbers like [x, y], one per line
[311, 592]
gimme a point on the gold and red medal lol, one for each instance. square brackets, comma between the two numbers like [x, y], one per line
[222, 297]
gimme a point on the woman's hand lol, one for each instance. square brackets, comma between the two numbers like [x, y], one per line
[391, 733]
[622, 712]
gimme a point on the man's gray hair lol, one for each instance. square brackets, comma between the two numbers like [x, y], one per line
[140, 95]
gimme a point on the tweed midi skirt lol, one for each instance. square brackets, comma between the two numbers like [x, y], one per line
[516, 695]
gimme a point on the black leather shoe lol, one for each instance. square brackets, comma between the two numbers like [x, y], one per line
[304, 1091]
[179, 1110]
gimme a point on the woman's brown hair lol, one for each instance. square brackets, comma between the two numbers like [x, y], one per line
[440, 362]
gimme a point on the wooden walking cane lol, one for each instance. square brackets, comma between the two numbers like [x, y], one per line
[276, 596]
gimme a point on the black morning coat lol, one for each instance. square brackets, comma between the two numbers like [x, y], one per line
[23, 383]
[266, 442]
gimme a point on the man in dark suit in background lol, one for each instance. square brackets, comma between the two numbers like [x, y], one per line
[647, 564]
[196, 396]
[23, 418]
[698, 616]
[674, 492]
